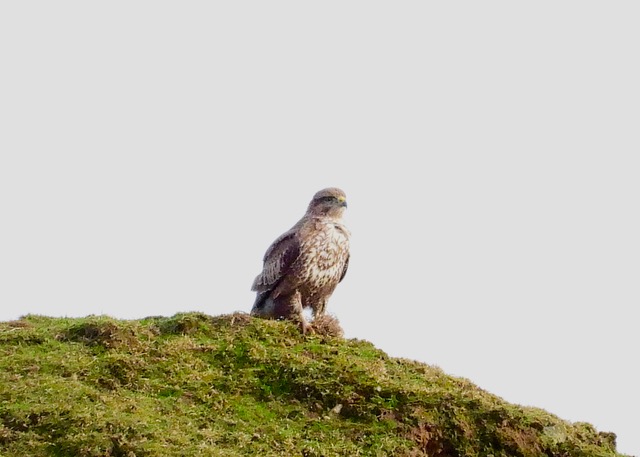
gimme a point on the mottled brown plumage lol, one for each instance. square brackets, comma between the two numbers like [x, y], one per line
[305, 264]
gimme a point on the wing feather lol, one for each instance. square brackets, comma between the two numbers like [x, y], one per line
[278, 259]
[344, 269]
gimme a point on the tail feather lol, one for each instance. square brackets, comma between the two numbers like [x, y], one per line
[258, 305]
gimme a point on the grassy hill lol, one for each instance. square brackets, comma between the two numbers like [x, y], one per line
[196, 385]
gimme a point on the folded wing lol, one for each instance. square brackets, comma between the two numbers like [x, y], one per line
[278, 260]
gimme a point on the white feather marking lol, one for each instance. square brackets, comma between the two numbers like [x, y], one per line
[325, 254]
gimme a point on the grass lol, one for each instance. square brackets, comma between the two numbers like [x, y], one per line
[197, 385]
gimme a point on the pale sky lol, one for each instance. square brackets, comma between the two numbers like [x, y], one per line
[151, 151]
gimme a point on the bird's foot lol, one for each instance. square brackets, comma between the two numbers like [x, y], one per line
[306, 328]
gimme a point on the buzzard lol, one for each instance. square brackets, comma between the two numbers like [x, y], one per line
[304, 265]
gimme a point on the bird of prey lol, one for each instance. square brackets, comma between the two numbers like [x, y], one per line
[304, 265]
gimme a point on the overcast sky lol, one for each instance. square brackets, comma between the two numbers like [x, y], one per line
[151, 151]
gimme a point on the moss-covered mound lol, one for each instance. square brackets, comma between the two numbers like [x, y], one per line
[196, 385]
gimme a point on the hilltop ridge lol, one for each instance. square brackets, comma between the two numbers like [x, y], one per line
[234, 385]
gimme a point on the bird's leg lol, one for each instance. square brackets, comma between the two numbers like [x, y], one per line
[297, 314]
[319, 308]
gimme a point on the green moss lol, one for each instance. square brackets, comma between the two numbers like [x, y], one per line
[233, 385]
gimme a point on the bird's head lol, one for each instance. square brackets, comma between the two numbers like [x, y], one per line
[328, 202]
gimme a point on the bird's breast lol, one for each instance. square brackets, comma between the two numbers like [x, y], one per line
[324, 254]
